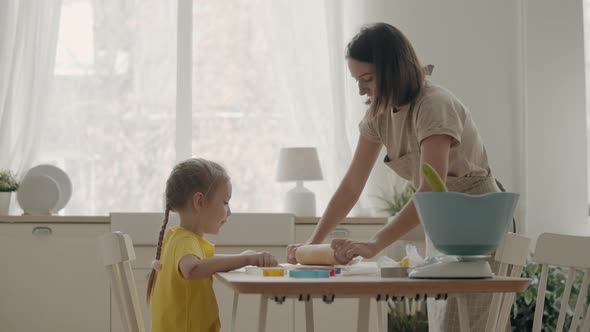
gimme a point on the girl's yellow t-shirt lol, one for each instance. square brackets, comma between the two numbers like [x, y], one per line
[178, 304]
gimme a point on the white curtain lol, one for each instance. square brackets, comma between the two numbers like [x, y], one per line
[310, 62]
[266, 74]
[322, 102]
[28, 37]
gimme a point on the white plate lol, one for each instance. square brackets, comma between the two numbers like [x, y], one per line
[38, 195]
[62, 179]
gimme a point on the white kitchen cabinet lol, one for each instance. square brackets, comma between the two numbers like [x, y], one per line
[51, 277]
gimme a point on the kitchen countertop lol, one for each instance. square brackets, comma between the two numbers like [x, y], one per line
[417, 234]
[56, 219]
[107, 219]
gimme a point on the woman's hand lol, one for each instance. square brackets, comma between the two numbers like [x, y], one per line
[346, 250]
[262, 259]
[291, 252]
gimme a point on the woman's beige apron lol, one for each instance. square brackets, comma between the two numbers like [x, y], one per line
[443, 316]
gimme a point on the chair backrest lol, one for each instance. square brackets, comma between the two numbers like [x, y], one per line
[511, 255]
[117, 251]
[566, 251]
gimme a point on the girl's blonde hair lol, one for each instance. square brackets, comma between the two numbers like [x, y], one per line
[187, 178]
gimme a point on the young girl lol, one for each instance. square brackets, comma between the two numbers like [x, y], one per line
[180, 285]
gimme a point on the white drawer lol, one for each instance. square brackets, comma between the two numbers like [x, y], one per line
[146, 254]
[343, 231]
[280, 252]
[256, 229]
[241, 229]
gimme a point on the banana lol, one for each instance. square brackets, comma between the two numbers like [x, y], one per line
[433, 179]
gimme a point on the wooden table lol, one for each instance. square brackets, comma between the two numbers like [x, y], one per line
[363, 287]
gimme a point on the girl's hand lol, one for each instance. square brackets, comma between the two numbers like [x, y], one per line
[291, 251]
[346, 250]
[248, 252]
[262, 259]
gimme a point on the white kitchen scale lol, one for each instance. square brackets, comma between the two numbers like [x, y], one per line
[464, 267]
[465, 228]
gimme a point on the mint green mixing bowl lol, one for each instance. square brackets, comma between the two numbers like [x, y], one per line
[465, 225]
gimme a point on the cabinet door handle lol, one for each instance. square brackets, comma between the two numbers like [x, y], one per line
[340, 232]
[42, 230]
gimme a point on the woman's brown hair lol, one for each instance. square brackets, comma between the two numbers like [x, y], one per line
[187, 178]
[398, 73]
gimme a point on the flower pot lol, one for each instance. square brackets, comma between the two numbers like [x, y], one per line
[5, 202]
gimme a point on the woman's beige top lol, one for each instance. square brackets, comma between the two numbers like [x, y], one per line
[436, 111]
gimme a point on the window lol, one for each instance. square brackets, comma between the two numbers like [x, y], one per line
[587, 62]
[112, 116]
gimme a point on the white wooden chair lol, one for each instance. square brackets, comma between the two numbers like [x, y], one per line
[117, 251]
[512, 253]
[570, 252]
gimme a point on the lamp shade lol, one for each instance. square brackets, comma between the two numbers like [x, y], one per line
[299, 164]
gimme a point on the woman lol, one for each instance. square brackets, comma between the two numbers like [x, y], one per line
[417, 122]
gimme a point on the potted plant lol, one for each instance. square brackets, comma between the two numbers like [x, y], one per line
[409, 315]
[394, 204]
[401, 317]
[8, 184]
[523, 310]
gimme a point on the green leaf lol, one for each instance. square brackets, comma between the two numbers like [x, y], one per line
[8, 181]
[394, 204]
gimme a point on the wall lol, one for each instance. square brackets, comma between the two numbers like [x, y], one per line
[509, 62]
[556, 117]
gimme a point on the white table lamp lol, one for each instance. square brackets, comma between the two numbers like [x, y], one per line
[299, 164]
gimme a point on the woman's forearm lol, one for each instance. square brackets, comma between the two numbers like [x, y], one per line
[338, 208]
[402, 223]
[218, 263]
[349, 190]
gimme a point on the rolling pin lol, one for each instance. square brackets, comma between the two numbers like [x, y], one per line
[315, 254]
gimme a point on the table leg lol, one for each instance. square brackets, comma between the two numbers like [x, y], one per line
[505, 313]
[381, 315]
[262, 313]
[309, 326]
[494, 312]
[463, 314]
[363, 315]
[234, 312]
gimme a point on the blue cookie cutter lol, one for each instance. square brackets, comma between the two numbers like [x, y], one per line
[309, 274]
